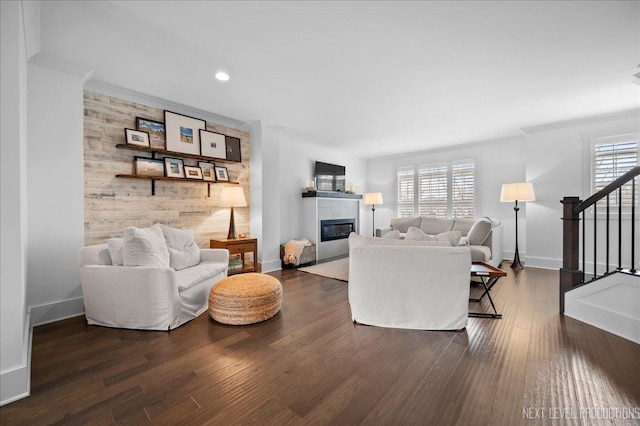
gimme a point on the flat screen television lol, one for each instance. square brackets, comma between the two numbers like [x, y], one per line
[330, 177]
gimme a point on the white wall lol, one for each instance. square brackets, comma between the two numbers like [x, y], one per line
[497, 162]
[297, 160]
[55, 187]
[14, 336]
[557, 165]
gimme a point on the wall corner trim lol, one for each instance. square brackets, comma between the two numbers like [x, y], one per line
[15, 384]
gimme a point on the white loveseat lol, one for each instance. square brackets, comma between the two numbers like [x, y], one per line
[488, 250]
[147, 297]
[408, 284]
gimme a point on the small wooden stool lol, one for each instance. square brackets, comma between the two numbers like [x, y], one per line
[245, 299]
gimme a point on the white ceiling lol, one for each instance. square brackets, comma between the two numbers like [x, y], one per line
[375, 77]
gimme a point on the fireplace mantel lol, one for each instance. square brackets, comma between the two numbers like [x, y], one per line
[330, 194]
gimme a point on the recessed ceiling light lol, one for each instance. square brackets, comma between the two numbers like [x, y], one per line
[222, 76]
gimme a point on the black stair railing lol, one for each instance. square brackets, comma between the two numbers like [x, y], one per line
[571, 276]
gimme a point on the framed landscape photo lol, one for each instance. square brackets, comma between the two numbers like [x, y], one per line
[136, 137]
[233, 148]
[191, 172]
[148, 166]
[155, 129]
[222, 174]
[182, 133]
[174, 167]
[208, 173]
[212, 144]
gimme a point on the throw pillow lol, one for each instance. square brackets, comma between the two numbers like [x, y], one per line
[392, 234]
[464, 241]
[183, 250]
[452, 237]
[479, 232]
[115, 246]
[415, 234]
[403, 223]
[145, 247]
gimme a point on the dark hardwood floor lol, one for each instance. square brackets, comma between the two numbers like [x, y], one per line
[311, 365]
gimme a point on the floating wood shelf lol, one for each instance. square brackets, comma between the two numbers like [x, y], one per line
[153, 180]
[172, 153]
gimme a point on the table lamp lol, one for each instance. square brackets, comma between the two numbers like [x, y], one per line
[232, 196]
[517, 192]
[371, 199]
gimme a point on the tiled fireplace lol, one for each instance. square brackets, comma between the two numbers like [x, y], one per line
[328, 219]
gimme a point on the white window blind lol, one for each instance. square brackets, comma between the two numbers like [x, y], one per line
[440, 190]
[613, 157]
[406, 191]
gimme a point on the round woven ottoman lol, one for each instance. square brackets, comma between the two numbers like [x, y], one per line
[245, 299]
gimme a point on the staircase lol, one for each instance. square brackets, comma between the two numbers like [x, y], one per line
[607, 296]
[611, 303]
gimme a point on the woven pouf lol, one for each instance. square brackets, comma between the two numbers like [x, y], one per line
[245, 299]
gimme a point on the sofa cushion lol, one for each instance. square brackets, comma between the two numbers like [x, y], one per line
[480, 253]
[450, 237]
[392, 234]
[479, 231]
[403, 223]
[115, 246]
[183, 250]
[356, 240]
[435, 225]
[463, 225]
[145, 247]
[188, 277]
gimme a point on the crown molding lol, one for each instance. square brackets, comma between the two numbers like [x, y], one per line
[620, 115]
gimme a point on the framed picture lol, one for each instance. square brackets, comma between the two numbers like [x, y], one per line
[207, 170]
[136, 137]
[155, 129]
[148, 166]
[222, 174]
[233, 148]
[212, 144]
[174, 167]
[183, 133]
[191, 172]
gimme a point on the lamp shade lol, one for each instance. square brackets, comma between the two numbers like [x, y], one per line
[232, 196]
[373, 198]
[517, 192]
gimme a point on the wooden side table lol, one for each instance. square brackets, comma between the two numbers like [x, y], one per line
[239, 246]
[489, 276]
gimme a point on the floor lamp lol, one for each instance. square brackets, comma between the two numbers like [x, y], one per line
[517, 192]
[371, 199]
[232, 196]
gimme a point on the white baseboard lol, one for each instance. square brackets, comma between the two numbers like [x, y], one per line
[56, 311]
[271, 265]
[16, 384]
[543, 262]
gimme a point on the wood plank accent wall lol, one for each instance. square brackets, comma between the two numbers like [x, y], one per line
[111, 204]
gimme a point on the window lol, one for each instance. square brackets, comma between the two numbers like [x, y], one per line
[440, 190]
[613, 157]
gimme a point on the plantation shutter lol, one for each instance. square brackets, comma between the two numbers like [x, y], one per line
[432, 190]
[613, 157]
[406, 191]
[463, 190]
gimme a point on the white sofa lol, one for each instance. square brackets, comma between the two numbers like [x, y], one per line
[489, 250]
[408, 284]
[146, 297]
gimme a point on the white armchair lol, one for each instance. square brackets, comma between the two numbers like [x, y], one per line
[146, 297]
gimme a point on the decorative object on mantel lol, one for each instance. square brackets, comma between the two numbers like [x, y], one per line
[517, 192]
[371, 199]
[148, 166]
[155, 129]
[174, 167]
[136, 137]
[213, 144]
[232, 196]
[183, 133]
